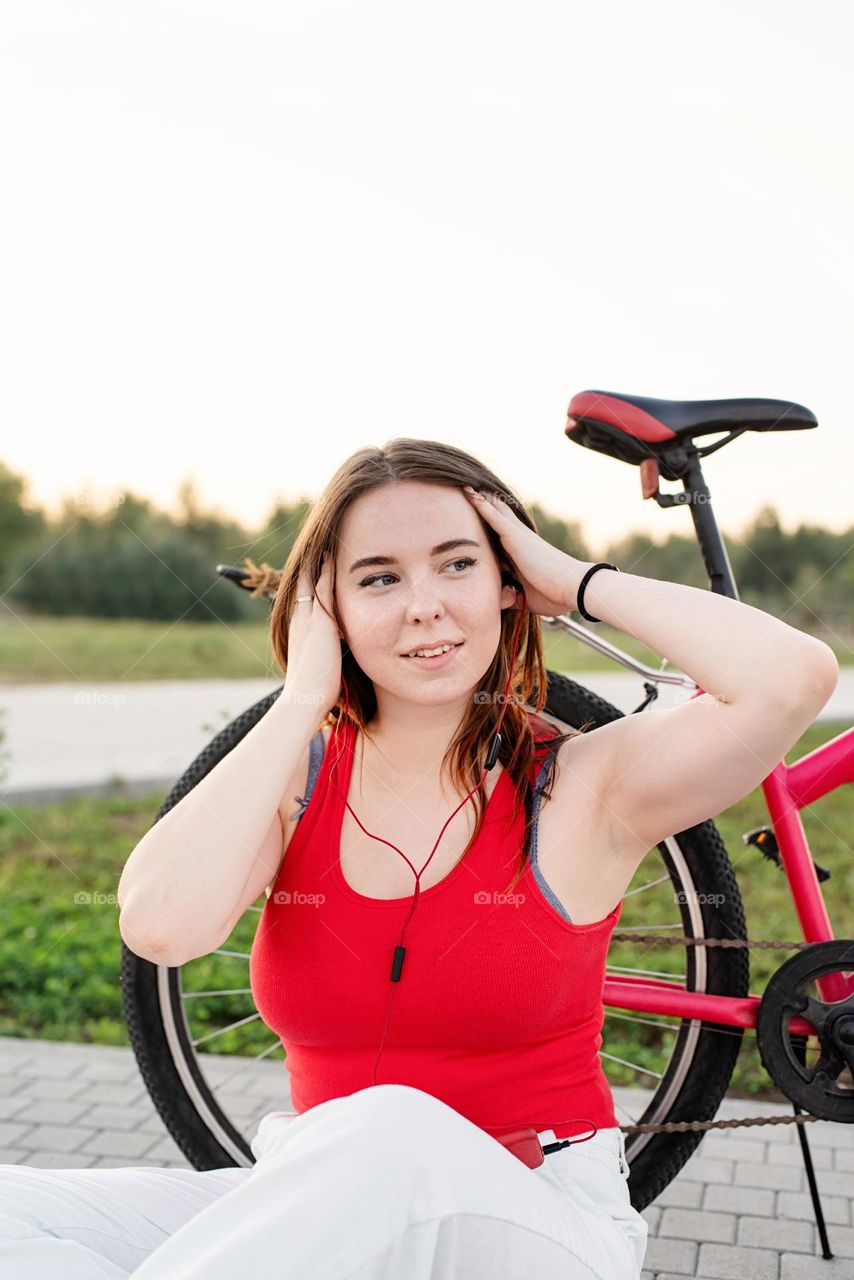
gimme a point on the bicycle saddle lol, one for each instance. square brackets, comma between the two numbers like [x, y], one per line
[633, 428]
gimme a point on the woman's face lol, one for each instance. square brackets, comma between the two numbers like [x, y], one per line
[421, 599]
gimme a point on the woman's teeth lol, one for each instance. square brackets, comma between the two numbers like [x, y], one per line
[434, 657]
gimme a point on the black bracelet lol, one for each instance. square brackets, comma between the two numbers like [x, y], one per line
[579, 602]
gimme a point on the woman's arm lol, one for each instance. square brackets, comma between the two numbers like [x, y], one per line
[658, 772]
[182, 881]
[662, 771]
[730, 649]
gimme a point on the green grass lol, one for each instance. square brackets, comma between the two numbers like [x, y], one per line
[36, 649]
[59, 958]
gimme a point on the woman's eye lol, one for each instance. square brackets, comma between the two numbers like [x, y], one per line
[464, 560]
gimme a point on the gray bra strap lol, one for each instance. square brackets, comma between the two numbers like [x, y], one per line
[539, 787]
[315, 760]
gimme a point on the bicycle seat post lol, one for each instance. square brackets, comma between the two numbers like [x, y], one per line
[709, 537]
[684, 463]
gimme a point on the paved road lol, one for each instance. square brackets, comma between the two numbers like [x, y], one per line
[72, 737]
[739, 1207]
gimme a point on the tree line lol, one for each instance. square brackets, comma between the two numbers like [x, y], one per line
[131, 560]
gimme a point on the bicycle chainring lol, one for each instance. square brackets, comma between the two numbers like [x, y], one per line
[824, 1088]
[685, 940]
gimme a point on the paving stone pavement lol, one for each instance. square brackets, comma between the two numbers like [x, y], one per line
[739, 1209]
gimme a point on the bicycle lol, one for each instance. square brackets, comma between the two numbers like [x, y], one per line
[685, 1019]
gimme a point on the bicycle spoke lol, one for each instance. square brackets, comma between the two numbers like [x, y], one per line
[621, 1109]
[649, 1022]
[277, 1044]
[231, 991]
[212, 1035]
[648, 884]
[648, 973]
[612, 1057]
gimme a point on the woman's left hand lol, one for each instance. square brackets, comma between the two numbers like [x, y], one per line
[546, 574]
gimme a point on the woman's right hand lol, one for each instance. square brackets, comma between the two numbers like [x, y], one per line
[314, 643]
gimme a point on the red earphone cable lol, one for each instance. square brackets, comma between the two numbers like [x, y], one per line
[491, 757]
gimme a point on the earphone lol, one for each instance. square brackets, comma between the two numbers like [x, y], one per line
[491, 758]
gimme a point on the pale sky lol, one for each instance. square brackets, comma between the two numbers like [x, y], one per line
[290, 230]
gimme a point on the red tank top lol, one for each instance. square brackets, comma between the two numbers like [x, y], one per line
[498, 1011]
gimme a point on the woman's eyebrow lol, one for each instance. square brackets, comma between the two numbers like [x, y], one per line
[436, 551]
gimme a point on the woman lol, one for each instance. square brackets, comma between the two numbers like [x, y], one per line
[432, 1009]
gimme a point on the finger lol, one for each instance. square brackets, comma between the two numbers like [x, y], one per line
[491, 507]
[325, 568]
[504, 507]
[480, 498]
[323, 586]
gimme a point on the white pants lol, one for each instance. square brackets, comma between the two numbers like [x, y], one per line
[385, 1184]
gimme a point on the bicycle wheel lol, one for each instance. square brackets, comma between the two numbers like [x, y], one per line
[199, 1041]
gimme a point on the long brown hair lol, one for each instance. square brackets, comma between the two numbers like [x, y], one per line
[432, 462]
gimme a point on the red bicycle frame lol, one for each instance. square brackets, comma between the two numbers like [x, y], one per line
[787, 790]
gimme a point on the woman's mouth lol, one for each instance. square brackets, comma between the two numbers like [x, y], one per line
[440, 660]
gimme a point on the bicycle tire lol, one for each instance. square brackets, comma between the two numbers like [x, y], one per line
[691, 1088]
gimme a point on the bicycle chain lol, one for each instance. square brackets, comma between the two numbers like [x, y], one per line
[681, 1126]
